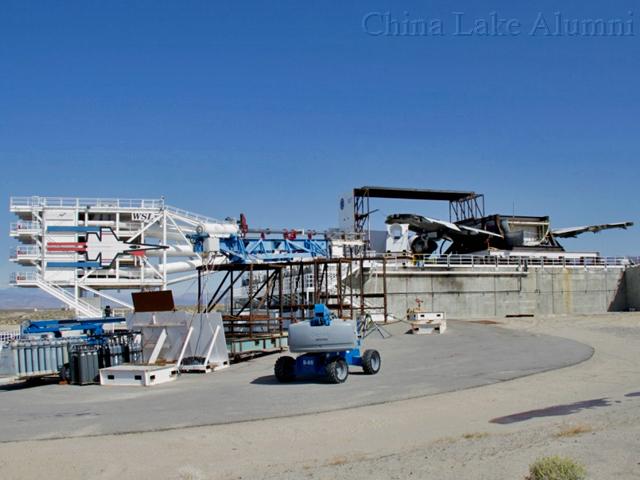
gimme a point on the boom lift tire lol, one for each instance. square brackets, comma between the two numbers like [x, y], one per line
[285, 369]
[337, 371]
[371, 362]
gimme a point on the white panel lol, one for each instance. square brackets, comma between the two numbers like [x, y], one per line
[398, 238]
[346, 213]
[59, 275]
[60, 216]
[60, 257]
[60, 237]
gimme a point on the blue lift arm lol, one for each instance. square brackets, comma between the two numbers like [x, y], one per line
[93, 326]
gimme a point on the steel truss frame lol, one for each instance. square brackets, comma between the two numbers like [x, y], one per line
[286, 292]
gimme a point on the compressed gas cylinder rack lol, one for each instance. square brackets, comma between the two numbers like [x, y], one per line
[41, 357]
[102, 351]
[84, 366]
[26, 358]
[118, 348]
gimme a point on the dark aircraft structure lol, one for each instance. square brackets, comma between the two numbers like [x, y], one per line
[468, 230]
[493, 232]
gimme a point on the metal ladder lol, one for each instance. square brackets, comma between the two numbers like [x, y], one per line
[83, 309]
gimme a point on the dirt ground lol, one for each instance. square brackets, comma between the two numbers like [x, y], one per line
[590, 411]
[10, 318]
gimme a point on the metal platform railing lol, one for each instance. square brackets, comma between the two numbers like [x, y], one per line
[423, 261]
[71, 202]
[190, 215]
[25, 227]
[30, 279]
[24, 251]
[16, 203]
[81, 307]
[34, 279]
[16, 278]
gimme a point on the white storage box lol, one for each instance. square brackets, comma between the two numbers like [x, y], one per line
[138, 375]
[426, 316]
[427, 322]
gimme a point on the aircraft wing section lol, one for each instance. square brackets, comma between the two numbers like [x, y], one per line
[442, 223]
[575, 231]
[420, 224]
[479, 231]
[429, 230]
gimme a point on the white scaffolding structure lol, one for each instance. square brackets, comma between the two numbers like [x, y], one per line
[61, 222]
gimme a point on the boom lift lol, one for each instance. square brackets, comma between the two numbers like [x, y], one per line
[328, 347]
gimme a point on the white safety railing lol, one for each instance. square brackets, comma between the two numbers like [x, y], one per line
[81, 307]
[34, 279]
[395, 263]
[22, 251]
[16, 278]
[480, 261]
[96, 279]
[70, 202]
[190, 215]
[25, 227]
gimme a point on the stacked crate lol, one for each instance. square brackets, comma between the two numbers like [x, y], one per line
[427, 322]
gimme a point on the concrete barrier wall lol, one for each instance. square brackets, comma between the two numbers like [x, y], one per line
[632, 283]
[539, 291]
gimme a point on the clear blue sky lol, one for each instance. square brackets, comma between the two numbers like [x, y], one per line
[275, 108]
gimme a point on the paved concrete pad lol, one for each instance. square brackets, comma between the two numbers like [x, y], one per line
[467, 355]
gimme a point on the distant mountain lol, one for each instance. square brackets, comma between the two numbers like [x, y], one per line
[19, 298]
[13, 298]
[186, 299]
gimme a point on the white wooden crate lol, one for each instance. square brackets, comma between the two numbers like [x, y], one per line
[426, 316]
[138, 375]
[420, 328]
[423, 323]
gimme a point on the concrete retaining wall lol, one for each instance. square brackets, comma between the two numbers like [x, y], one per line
[632, 284]
[467, 293]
